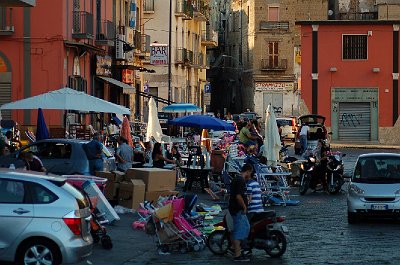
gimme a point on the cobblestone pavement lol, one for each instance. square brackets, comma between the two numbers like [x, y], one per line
[319, 234]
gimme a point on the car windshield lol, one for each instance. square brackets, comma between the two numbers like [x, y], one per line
[381, 169]
[284, 122]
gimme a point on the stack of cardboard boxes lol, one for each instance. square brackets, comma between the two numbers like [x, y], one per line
[138, 185]
[159, 182]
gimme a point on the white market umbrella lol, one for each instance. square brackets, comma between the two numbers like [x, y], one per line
[272, 140]
[67, 99]
[153, 126]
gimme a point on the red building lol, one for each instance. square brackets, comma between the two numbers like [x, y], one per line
[58, 44]
[349, 74]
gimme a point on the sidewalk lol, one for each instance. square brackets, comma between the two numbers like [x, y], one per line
[366, 145]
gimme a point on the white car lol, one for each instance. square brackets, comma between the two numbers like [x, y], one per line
[288, 126]
[374, 190]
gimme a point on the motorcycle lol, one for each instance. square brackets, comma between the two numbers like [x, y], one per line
[310, 176]
[335, 170]
[266, 233]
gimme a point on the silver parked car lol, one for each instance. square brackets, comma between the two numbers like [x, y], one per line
[374, 189]
[59, 156]
[43, 220]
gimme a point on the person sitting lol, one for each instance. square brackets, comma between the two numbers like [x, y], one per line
[369, 170]
[245, 136]
[158, 158]
[175, 155]
[32, 162]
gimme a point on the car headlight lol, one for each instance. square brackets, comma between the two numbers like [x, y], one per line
[356, 189]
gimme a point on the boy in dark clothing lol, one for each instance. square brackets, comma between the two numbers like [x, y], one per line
[94, 151]
[238, 209]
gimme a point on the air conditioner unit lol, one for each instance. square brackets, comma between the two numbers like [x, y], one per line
[119, 48]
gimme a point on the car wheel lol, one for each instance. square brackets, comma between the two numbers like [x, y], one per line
[39, 251]
[352, 218]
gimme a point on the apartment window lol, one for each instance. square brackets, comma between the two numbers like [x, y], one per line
[273, 54]
[273, 13]
[355, 47]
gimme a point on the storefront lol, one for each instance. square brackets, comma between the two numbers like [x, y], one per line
[354, 114]
[280, 95]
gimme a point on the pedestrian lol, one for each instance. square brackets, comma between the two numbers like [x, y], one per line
[304, 132]
[124, 154]
[175, 155]
[158, 158]
[94, 152]
[238, 209]
[32, 162]
[254, 196]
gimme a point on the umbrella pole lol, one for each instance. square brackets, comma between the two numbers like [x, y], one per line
[65, 122]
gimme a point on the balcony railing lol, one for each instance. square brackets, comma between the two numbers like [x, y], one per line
[198, 60]
[148, 6]
[359, 16]
[105, 33]
[6, 25]
[273, 64]
[189, 57]
[184, 9]
[181, 56]
[82, 25]
[209, 37]
[274, 25]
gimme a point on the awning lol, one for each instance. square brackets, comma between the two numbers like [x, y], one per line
[127, 89]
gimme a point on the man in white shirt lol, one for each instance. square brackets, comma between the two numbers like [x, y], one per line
[303, 137]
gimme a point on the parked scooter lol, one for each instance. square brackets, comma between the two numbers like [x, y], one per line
[266, 233]
[335, 170]
[310, 176]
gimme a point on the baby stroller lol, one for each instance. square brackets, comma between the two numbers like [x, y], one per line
[173, 232]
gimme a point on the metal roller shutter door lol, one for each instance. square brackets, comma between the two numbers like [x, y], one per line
[5, 97]
[355, 121]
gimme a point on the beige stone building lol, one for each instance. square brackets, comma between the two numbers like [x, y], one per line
[190, 36]
[263, 45]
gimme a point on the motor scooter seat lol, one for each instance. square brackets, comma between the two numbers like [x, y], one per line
[262, 215]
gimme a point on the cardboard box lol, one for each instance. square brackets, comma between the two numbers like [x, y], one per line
[112, 190]
[119, 176]
[156, 179]
[110, 176]
[154, 195]
[131, 193]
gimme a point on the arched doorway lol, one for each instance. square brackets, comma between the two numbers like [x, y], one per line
[5, 85]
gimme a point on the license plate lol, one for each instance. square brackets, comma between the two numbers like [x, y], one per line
[285, 229]
[379, 207]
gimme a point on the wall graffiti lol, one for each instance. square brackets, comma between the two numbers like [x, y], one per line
[350, 120]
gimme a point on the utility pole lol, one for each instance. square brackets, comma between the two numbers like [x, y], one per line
[169, 52]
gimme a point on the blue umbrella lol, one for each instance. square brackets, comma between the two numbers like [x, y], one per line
[181, 108]
[203, 122]
[41, 128]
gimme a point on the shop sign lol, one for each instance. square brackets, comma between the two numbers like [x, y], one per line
[274, 86]
[128, 76]
[355, 94]
[207, 88]
[130, 35]
[158, 54]
[103, 65]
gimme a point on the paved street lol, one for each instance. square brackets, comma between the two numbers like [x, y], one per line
[319, 234]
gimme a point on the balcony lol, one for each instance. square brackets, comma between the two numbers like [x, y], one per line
[148, 6]
[6, 25]
[189, 57]
[105, 33]
[184, 9]
[137, 40]
[359, 16]
[145, 44]
[274, 25]
[82, 25]
[209, 37]
[273, 64]
[181, 56]
[200, 10]
[198, 61]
